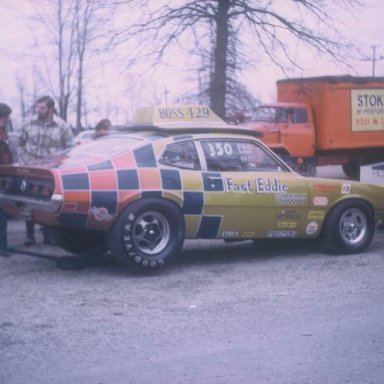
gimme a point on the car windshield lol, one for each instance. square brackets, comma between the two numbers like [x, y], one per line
[106, 145]
[270, 114]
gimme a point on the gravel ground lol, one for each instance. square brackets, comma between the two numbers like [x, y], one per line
[274, 312]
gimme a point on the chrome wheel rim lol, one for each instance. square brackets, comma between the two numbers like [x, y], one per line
[151, 233]
[353, 226]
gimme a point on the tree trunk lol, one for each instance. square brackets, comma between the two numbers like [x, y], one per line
[218, 86]
[79, 100]
[60, 58]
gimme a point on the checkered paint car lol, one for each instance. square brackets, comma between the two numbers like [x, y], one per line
[181, 173]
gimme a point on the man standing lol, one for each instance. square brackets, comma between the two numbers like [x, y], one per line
[5, 158]
[42, 136]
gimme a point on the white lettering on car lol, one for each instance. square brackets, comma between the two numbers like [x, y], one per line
[245, 187]
[270, 186]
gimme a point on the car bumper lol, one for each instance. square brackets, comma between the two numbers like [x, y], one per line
[53, 205]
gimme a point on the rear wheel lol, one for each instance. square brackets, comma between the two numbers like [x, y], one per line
[148, 234]
[350, 227]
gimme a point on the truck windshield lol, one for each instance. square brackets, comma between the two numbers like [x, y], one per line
[270, 114]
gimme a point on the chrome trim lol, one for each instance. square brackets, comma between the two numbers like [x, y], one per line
[52, 205]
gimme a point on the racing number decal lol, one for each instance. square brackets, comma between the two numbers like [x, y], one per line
[184, 113]
[198, 112]
[219, 149]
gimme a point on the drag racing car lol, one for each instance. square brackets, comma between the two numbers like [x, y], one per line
[182, 173]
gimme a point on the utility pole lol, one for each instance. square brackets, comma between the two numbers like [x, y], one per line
[374, 59]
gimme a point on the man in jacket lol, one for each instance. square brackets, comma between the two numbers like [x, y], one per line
[42, 136]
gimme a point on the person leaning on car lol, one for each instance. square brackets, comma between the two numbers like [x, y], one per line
[5, 158]
[42, 135]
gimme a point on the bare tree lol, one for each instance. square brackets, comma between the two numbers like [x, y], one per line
[240, 28]
[66, 53]
[72, 27]
[53, 29]
[29, 87]
[20, 84]
[84, 13]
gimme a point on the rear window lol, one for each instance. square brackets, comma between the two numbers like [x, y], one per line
[106, 145]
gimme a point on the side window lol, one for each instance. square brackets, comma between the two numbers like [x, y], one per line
[237, 155]
[181, 155]
[299, 116]
[281, 115]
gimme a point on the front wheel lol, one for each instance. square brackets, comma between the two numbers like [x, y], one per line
[350, 227]
[148, 234]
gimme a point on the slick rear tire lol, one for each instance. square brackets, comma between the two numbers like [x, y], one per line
[147, 235]
[349, 227]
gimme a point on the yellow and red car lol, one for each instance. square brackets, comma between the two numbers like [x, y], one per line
[181, 173]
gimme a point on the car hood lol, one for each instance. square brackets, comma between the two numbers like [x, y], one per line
[91, 153]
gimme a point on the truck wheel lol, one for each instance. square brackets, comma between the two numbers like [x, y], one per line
[148, 234]
[349, 227]
[352, 170]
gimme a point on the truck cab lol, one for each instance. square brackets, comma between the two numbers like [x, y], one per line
[288, 129]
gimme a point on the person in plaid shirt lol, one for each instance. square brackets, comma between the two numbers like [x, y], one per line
[42, 136]
[5, 158]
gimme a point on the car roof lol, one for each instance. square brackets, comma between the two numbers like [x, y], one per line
[191, 129]
[183, 119]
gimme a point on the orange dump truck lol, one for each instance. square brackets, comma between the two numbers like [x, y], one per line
[325, 120]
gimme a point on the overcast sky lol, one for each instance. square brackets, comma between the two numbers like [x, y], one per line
[366, 28]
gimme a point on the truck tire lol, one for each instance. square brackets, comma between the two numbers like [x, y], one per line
[352, 170]
[349, 227]
[147, 235]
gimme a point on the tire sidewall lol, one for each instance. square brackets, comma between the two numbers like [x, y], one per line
[332, 230]
[123, 246]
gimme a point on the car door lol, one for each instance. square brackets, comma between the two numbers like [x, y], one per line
[250, 192]
[180, 172]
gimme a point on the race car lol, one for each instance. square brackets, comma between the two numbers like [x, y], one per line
[182, 173]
